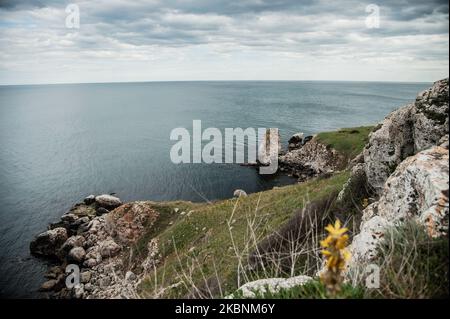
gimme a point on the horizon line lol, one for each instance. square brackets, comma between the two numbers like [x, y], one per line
[190, 81]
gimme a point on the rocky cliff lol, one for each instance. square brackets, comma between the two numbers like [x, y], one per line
[406, 162]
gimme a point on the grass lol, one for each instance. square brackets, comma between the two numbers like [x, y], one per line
[412, 265]
[206, 252]
[348, 141]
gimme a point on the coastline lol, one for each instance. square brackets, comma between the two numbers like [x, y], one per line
[118, 245]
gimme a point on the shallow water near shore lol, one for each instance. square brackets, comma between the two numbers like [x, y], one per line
[60, 143]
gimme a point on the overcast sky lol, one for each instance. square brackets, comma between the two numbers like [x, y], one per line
[157, 40]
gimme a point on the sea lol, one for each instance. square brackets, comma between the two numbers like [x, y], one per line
[60, 143]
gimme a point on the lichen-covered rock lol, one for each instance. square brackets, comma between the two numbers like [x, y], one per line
[127, 223]
[312, 159]
[273, 285]
[49, 242]
[418, 189]
[389, 144]
[431, 115]
[108, 201]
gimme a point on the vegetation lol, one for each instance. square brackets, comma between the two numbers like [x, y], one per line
[348, 141]
[412, 265]
[206, 248]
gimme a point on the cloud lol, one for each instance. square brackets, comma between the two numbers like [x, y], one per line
[122, 40]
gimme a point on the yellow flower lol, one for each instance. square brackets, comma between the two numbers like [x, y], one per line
[336, 256]
[336, 231]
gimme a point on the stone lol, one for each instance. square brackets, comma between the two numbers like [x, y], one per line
[48, 285]
[130, 276]
[311, 160]
[296, 141]
[101, 211]
[418, 189]
[239, 193]
[69, 218]
[109, 248]
[108, 201]
[85, 277]
[389, 144]
[431, 115]
[89, 263]
[273, 285]
[79, 291]
[77, 254]
[89, 199]
[49, 242]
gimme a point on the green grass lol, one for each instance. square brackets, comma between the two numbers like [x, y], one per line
[348, 141]
[200, 245]
[412, 265]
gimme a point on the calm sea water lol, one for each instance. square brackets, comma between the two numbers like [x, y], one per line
[59, 143]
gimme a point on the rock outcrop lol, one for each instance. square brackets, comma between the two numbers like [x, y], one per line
[310, 160]
[418, 189]
[406, 163]
[96, 243]
[406, 131]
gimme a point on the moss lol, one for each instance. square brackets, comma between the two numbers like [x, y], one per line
[349, 141]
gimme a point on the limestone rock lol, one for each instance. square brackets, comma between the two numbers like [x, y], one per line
[431, 115]
[48, 242]
[389, 144]
[418, 189]
[109, 248]
[239, 193]
[273, 285]
[77, 254]
[108, 201]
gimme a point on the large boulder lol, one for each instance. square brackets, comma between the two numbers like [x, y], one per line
[49, 242]
[312, 159]
[431, 115]
[418, 189]
[108, 201]
[389, 144]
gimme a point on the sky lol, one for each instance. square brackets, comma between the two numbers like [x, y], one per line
[182, 40]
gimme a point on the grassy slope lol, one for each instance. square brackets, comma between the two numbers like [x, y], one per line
[201, 244]
[203, 238]
[348, 141]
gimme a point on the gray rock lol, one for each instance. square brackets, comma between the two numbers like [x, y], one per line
[77, 254]
[48, 285]
[273, 285]
[108, 201]
[101, 211]
[79, 291]
[49, 242]
[418, 189]
[239, 193]
[109, 248]
[130, 276]
[89, 199]
[431, 115]
[389, 144]
[85, 277]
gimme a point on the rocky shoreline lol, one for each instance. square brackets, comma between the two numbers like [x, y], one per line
[94, 235]
[405, 163]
